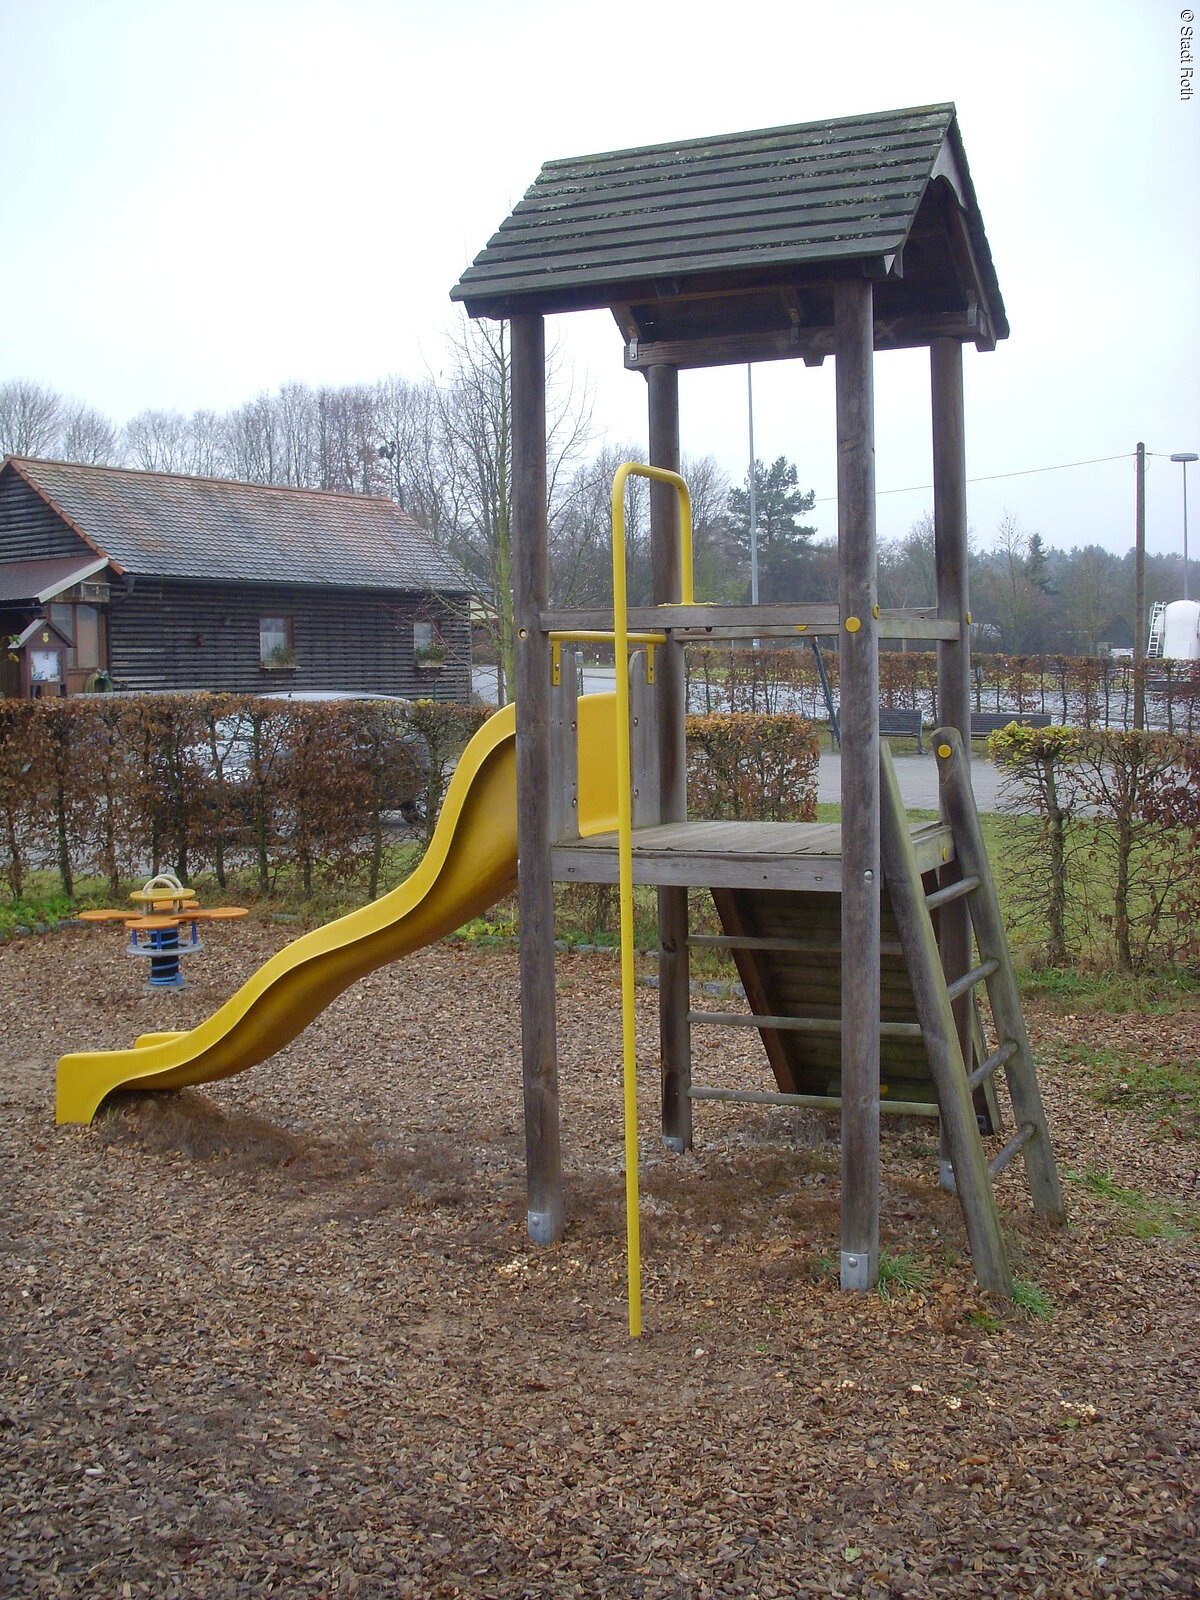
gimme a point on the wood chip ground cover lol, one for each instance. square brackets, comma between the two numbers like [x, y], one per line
[286, 1335]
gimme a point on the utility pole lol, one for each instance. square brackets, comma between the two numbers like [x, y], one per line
[1139, 594]
[753, 498]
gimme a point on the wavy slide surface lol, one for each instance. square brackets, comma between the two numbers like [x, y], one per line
[470, 864]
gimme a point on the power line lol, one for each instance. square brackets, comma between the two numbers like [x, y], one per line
[993, 477]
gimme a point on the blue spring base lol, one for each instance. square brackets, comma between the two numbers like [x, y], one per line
[166, 951]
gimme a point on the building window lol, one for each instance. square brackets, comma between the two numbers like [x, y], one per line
[276, 642]
[429, 648]
[81, 624]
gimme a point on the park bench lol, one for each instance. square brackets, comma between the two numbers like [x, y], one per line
[894, 720]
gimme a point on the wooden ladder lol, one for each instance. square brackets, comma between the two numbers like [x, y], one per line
[935, 994]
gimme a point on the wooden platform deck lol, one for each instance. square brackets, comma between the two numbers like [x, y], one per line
[733, 855]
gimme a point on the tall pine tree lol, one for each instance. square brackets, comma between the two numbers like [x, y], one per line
[783, 540]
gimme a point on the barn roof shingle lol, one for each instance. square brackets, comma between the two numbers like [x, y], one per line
[166, 525]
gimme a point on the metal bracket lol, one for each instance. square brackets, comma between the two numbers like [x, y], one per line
[856, 1270]
[542, 1229]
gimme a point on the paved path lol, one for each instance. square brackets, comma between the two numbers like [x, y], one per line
[918, 781]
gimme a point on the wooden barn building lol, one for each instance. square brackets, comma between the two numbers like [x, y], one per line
[167, 582]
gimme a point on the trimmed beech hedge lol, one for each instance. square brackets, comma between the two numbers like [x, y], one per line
[1085, 691]
[752, 767]
[1111, 867]
[117, 786]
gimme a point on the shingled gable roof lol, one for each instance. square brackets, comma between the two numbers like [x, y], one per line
[164, 525]
[665, 235]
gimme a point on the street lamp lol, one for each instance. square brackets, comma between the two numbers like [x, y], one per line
[1183, 458]
[753, 499]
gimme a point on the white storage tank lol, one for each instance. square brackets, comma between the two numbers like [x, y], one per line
[1181, 630]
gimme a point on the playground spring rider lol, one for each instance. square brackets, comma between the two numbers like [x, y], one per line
[157, 934]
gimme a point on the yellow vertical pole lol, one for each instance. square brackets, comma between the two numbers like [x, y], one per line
[633, 1240]
[625, 849]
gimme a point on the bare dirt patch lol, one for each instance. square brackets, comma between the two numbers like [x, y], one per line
[285, 1335]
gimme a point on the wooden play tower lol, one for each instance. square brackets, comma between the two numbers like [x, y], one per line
[835, 238]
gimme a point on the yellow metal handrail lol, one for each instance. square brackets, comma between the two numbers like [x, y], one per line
[621, 642]
[561, 636]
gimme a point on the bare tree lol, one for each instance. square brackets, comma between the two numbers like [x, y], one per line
[475, 420]
[255, 452]
[475, 417]
[348, 440]
[89, 437]
[907, 567]
[158, 441]
[209, 445]
[717, 573]
[417, 452]
[296, 419]
[31, 419]
[581, 538]
[1096, 600]
[1012, 588]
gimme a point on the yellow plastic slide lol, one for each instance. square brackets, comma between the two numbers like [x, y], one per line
[470, 864]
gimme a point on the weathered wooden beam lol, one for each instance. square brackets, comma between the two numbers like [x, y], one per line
[671, 615]
[859, 679]
[973, 1186]
[958, 807]
[691, 624]
[950, 534]
[953, 607]
[643, 736]
[535, 893]
[810, 344]
[564, 750]
[814, 1102]
[675, 1047]
[895, 625]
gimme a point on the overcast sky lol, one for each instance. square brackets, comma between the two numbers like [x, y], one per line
[203, 199]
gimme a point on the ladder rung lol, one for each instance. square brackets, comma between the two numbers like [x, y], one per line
[968, 980]
[985, 1068]
[952, 891]
[739, 941]
[831, 1025]
[815, 1102]
[1017, 1143]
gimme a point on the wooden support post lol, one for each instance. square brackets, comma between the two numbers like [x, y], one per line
[950, 535]
[954, 655]
[859, 676]
[675, 1045]
[530, 567]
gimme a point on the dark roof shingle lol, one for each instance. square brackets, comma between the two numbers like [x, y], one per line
[736, 208]
[161, 524]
